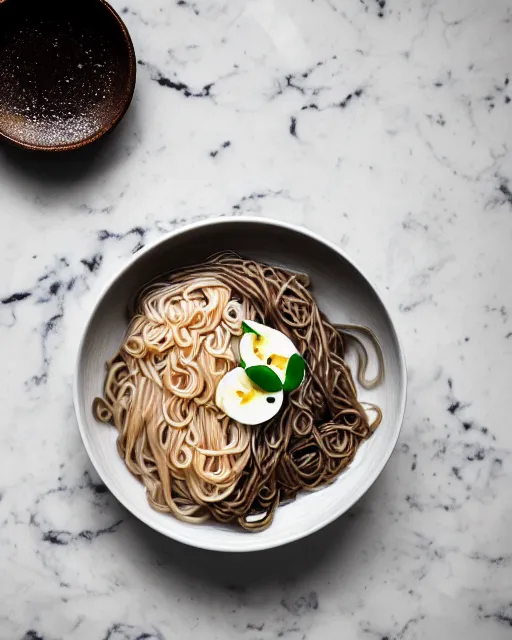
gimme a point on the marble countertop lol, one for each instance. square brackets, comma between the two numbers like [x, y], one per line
[384, 125]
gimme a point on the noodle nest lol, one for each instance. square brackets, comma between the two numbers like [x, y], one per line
[194, 461]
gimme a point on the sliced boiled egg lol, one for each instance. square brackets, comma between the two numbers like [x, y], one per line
[261, 345]
[243, 402]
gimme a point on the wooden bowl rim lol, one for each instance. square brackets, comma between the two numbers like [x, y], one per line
[128, 95]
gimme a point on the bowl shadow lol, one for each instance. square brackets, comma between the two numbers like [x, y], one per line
[335, 544]
[60, 169]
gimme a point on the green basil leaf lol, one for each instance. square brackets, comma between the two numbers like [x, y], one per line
[242, 362]
[264, 377]
[247, 329]
[294, 372]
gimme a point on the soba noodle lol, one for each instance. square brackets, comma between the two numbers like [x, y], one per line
[194, 461]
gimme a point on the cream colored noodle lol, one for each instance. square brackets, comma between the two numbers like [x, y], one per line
[159, 393]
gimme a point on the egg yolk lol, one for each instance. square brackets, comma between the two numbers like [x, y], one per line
[246, 396]
[257, 343]
[278, 361]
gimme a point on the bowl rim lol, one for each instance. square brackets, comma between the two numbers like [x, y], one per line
[128, 97]
[252, 539]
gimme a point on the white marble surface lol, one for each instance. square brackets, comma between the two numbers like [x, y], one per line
[384, 125]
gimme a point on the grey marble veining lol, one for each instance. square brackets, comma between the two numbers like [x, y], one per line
[383, 125]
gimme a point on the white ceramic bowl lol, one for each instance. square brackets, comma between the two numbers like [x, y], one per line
[341, 290]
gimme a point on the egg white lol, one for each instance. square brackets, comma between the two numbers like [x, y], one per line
[243, 402]
[260, 349]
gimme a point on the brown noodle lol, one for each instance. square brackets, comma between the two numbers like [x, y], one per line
[159, 392]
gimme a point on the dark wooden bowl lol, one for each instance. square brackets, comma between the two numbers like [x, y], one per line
[67, 72]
